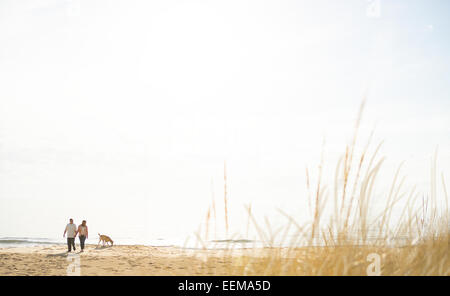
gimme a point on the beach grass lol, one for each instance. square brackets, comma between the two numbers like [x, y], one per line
[344, 235]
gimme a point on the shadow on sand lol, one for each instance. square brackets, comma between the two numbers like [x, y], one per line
[63, 254]
[102, 247]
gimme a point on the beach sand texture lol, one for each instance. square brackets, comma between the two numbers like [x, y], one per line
[110, 261]
[428, 258]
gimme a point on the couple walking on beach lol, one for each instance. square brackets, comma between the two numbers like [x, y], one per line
[72, 232]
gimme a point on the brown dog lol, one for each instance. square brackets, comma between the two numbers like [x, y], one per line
[104, 239]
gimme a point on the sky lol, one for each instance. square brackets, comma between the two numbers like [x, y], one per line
[123, 113]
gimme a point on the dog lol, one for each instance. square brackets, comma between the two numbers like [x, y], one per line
[105, 239]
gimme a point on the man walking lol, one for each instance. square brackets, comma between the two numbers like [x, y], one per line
[71, 230]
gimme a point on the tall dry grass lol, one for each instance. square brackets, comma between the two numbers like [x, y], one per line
[353, 240]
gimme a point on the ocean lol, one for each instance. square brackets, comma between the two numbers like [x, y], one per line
[187, 243]
[194, 243]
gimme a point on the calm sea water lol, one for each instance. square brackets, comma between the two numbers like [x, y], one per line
[191, 242]
[188, 243]
[9, 242]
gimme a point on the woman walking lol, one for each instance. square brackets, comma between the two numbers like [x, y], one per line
[83, 233]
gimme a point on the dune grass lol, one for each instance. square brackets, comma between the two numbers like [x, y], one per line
[351, 239]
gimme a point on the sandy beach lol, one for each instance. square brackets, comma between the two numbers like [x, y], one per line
[139, 260]
[111, 261]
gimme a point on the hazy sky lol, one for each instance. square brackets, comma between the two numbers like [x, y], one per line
[123, 112]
